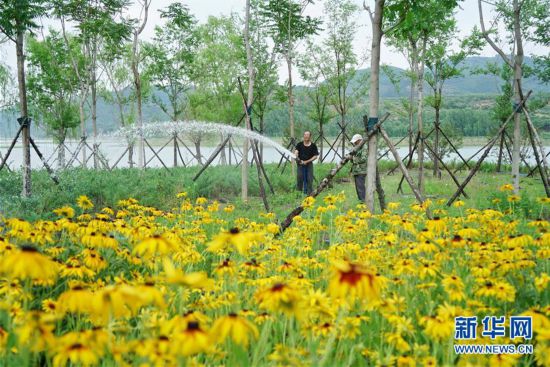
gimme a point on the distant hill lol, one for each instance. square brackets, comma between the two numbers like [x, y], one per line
[470, 84]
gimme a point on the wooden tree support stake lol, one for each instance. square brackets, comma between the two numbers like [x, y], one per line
[404, 171]
[485, 153]
[156, 155]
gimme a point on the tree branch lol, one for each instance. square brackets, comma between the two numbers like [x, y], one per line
[368, 9]
[488, 39]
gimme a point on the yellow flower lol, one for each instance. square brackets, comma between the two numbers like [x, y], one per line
[273, 228]
[235, 237]
[458, 204]
[65, 211]
[507, 187]
[156, 245]
[279, 298]
[513, 198]
[394, 205]
[28, 263]
[75, 300]
[192, 280]
[201, 200]
[84, 202]
[454, 287]
[352, 281]
[541, 282]
[192, 340]
[308, 202]
[75, 349]
[239, 329]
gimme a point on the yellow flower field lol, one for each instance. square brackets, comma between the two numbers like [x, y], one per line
[137, 286]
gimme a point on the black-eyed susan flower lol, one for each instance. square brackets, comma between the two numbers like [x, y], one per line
[279, 297]
[352, 281]
[155, 245]
[84, 202]
[240, 240]
[239, 329]
[73, 348]
[192, 340]
[193, 280]
[28, 263]
[75, 300]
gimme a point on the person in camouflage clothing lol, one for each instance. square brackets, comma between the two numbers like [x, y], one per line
[359, 168]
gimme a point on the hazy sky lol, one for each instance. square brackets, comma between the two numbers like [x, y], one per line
[467, 17]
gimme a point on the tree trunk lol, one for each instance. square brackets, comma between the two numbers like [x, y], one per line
[197, 143]
[19, 46]
[250, 66]
[223, 157]
[290, 95]
[321, 138]
[83, 128]
[137, 83]
[61, 150]
[93, 90]
[420, 90]
[437, 171]
[518, 61]
[131, 155]
[411, 115]
[374, 101]
[262, 128]
[343, 127]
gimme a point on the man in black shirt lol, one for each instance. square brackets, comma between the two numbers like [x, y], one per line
[306, 152]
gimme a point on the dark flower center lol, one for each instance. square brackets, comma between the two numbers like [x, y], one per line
[27, 248]
[193, 325]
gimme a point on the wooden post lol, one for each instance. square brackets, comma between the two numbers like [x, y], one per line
[452, 145]
[155, 153]
[48, 168]
[499, 162]
[175, 150]
[446, 168]
[121, 156]
[11, 147]
[404, 170]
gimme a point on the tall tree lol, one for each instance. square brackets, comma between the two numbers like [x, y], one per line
[265, 66]
[341, 29]
[17, 17]
[288, 26]
[118, 88]
[170, 59]
[319, 92]
[524, 20]
[385, 18]
[432, 20]
[401, 19]
[53, 86]
[98, 23]
[249, 99]
[442, 65]
[219, 60]
[137, 28]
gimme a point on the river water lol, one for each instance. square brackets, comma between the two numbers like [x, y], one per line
[112, 149]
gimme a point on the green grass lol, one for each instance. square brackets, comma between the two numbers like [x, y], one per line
[158, 187]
